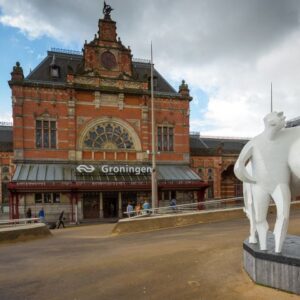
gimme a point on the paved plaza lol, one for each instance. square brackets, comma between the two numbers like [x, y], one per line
[195, 262]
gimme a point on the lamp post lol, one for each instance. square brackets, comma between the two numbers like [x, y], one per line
[153, 174]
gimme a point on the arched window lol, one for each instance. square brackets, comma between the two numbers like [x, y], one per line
[108, 136]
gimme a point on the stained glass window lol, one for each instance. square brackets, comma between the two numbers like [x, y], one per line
[108, 136]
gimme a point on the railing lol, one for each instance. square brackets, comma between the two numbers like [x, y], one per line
[66, 51]
[141, 60]
[6, 123]
[187, 208]
[14, 222]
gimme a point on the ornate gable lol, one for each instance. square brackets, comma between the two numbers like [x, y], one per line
[105, 55]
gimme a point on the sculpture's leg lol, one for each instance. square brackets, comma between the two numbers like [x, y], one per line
[249, 209]
[282, 198]
[252, 238]
[261, 200]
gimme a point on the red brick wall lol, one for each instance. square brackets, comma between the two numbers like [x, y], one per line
[33, 103]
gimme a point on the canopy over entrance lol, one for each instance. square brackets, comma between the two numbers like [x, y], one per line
[63, 176]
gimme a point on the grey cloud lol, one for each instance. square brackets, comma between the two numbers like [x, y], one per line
[185, 31]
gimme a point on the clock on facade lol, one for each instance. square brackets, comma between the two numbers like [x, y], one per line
[108, 60]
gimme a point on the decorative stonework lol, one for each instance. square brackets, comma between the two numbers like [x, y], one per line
[71, 108]
[109, 132]
[121, 101]
[85, 80]
[108, 136]
[109, 100]
[135, 123]
[97, 99]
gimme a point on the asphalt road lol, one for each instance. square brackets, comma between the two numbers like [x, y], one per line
[202, 262]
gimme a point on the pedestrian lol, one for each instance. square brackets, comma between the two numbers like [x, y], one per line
[129, 209]
[173, 204]
[28, 214]
[42, 215]
[146, 207]
[61, 220]
[138, 209]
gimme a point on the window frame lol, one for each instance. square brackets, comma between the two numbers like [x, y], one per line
[165, 138]
[45, 128]
[52, 198]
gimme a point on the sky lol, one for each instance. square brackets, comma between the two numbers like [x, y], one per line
[228, 51]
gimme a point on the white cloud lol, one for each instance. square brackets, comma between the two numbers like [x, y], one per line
[31, 27]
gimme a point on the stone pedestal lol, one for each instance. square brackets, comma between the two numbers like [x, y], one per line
[280, 271]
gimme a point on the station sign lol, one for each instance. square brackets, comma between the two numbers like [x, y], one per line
[114, 169]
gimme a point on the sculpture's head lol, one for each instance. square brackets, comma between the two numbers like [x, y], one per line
[274, 120]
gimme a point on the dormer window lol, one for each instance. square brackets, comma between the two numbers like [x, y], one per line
[54, 71]
[154, 83]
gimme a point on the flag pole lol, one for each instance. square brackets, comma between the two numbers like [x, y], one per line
[153, 174]
[271, 98]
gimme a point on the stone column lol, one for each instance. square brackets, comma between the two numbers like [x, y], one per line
[76, 208]
[120, 205]
[101, 204]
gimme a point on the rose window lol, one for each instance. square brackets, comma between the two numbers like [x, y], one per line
[108, 136]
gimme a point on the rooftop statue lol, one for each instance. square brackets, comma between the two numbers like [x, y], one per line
[269, 166]
[107, 9]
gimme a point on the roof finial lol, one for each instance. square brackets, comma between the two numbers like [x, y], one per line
[107, 9]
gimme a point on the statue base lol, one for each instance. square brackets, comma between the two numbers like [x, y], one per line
[276, 270]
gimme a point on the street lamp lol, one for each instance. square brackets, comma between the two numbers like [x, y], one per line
[153, 174]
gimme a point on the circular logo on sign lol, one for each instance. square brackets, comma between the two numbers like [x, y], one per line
[108, 60]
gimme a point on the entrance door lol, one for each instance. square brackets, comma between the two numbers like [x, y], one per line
[90, 205]
[110, 205]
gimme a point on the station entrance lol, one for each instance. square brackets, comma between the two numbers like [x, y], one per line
[110, 204]
[90, 205]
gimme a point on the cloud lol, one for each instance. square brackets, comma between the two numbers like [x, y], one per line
[231, 50]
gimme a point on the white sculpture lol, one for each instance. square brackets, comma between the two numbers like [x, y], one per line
[269, 166]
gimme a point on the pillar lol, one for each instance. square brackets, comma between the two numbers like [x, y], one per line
[72, 207]
[200, 198]
[101, 204]
[120, 205]
[76, 208]
[17, 216]
[10, 205]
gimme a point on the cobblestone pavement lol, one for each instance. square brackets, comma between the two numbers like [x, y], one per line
[196, 262]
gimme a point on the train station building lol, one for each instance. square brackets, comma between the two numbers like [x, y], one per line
[82, 133]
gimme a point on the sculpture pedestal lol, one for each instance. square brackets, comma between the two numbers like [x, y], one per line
[280, 271]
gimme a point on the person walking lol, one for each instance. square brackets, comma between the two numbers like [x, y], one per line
[138, 209]
[61, 220]
[28, 214]
[146, 207]
[173, 204]
[42, 215]
[129, 209]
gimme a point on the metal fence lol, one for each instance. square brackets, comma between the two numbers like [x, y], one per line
[219, 204]
[18, 222]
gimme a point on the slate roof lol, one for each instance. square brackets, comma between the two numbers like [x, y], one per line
[6, 139]
[141, 70]
[211, 145]
[63, 60]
